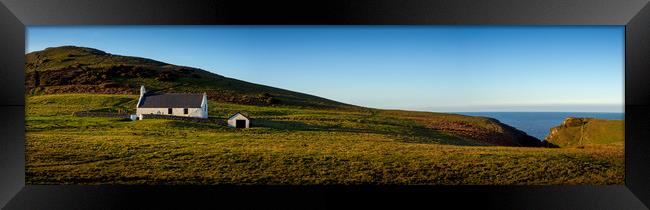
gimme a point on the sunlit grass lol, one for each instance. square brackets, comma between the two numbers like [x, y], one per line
[287, 145]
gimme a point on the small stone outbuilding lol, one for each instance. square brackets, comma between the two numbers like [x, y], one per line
[239, 120]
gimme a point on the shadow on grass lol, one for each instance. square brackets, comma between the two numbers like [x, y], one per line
[409, 133]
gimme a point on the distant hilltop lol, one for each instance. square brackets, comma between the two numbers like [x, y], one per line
[586, 131]
[72, 69]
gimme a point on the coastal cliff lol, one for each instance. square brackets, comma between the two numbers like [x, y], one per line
[586, 131]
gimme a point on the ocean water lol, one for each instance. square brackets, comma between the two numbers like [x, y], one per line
[538, 124]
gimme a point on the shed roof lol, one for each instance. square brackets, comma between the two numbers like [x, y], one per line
[171, 100]
[242, 114]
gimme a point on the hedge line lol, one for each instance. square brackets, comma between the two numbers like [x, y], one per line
[221, 121]
[101, 114]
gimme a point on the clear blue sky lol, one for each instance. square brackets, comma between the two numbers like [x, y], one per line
[431, 68]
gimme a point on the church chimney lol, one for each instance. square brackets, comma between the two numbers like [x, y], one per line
[142, 91]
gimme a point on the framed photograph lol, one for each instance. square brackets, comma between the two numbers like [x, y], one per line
[328, 104]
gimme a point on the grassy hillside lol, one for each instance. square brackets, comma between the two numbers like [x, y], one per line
[290, 145]
[587, 131]
[425, 126]
[70, 69]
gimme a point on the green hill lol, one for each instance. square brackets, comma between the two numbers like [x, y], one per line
[587, 131]
[70, 69]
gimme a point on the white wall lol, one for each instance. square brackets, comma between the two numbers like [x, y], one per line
[192, 112]
[232, 122]
[204, 106]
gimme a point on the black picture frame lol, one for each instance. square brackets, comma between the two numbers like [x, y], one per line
[15, 15]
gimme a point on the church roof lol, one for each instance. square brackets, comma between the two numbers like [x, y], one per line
[171, 100]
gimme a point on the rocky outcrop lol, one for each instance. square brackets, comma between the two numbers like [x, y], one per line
[514, 136]
[486, 130]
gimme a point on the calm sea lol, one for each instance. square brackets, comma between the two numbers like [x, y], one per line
[538, 124]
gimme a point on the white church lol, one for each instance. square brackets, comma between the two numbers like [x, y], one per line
[176, 104]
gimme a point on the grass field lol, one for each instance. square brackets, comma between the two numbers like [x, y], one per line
[287, 145]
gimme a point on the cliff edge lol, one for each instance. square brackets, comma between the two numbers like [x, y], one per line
[586, 131]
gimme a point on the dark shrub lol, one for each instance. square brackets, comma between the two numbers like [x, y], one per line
[110, 85]
[166, 76]
[185, 71]
[266, 98]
